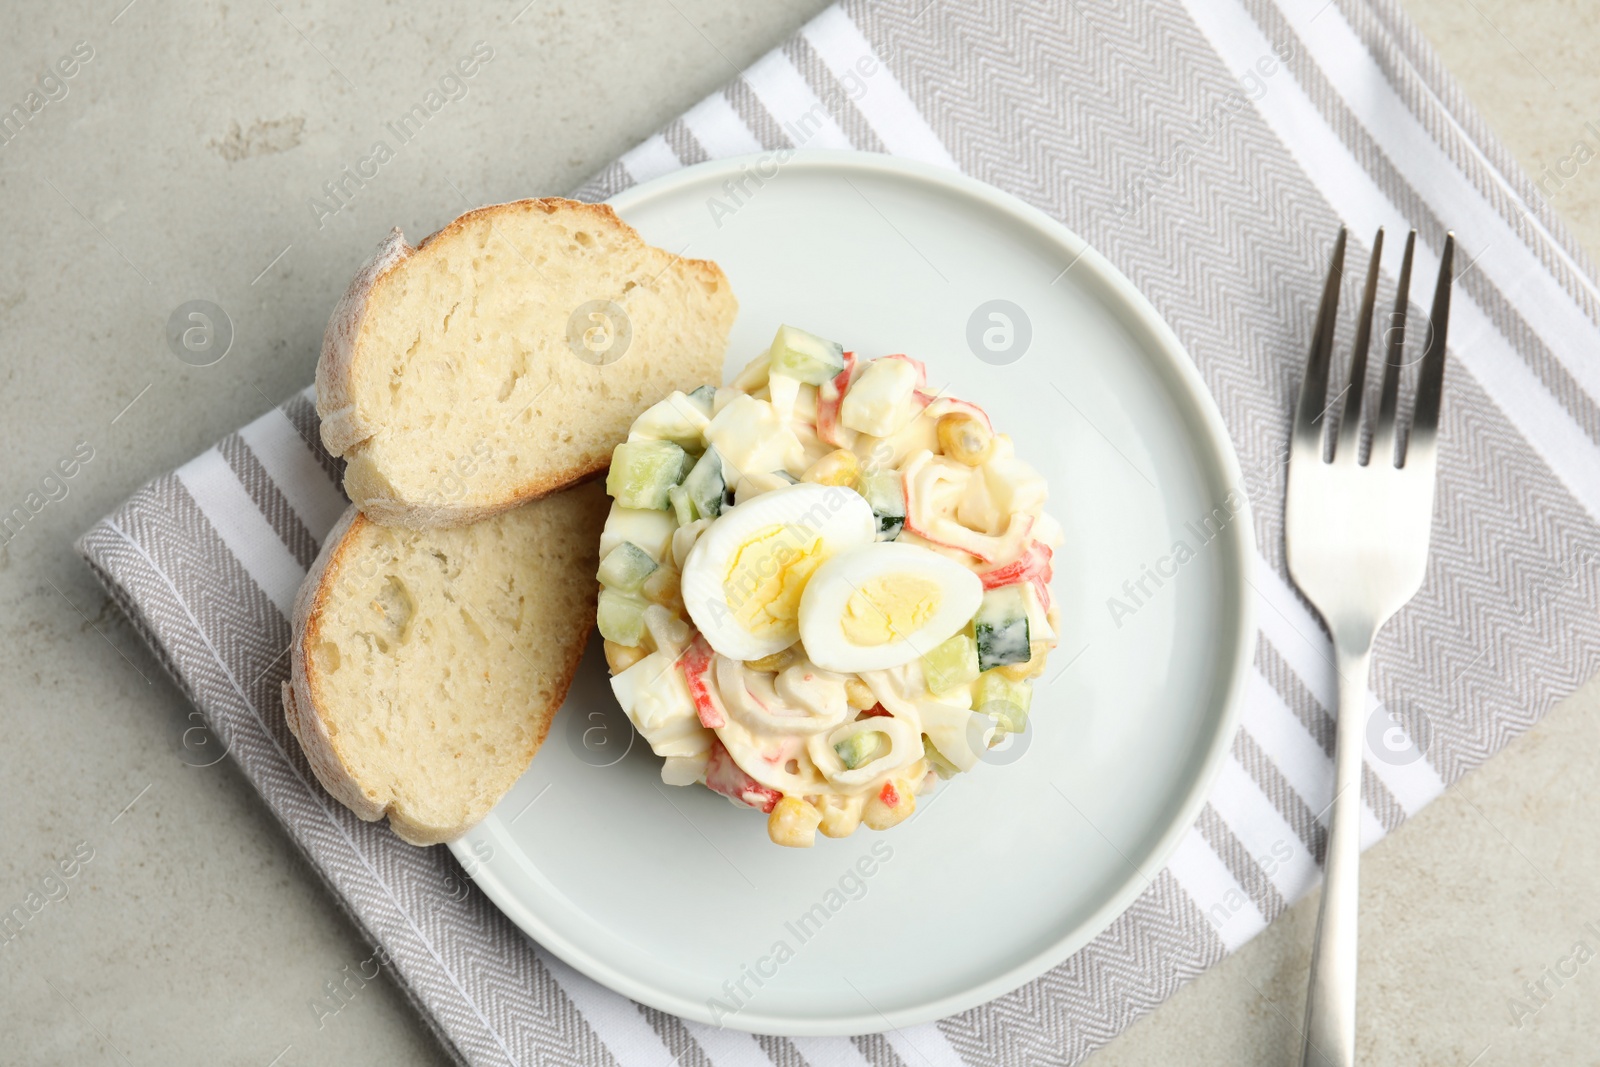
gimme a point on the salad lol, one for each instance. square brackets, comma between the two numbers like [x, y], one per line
[823, 587]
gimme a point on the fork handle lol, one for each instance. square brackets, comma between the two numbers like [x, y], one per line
[1330, 1030]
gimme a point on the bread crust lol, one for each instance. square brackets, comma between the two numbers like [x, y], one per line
[306, 709]
[345, 427]
[300, 707]
[342, 427]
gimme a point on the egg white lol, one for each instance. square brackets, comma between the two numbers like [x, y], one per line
[838, 516]
[824, 603]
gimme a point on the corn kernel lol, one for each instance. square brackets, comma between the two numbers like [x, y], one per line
[793, 823]
[620, 657]
[839, 467]
[663, 587]
[840, 815]
[858, 695]
[891, 805]
[964, 438]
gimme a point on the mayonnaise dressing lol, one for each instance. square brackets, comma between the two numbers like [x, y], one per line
[786, 724]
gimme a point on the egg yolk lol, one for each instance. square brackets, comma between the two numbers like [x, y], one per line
[767, 574]
[889, 607]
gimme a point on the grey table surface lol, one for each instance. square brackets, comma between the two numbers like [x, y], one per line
[180, 162]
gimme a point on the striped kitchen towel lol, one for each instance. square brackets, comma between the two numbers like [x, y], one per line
[1210, 149]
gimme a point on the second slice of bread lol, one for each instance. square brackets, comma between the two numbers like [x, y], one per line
[426, 665]
[506, 356]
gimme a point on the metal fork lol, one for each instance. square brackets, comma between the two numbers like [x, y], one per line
[1356, 537]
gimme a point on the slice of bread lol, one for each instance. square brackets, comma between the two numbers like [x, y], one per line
[426, 664]
[506, 356]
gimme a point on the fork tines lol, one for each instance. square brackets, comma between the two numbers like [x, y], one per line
[1315, 406]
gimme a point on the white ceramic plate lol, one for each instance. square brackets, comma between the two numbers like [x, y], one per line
[676, 898]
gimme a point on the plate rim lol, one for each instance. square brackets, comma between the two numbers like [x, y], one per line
[1241, 552]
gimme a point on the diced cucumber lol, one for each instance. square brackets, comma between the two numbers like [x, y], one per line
[682, 506]
[860, 749]
[620, 617]
[1006, 701]
[941, 766]
[953, 663]
[882, 489]
[805, 356]
[643, 471]
[625, 568]
[706, 487]
[704, 397]
[1001, 628]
